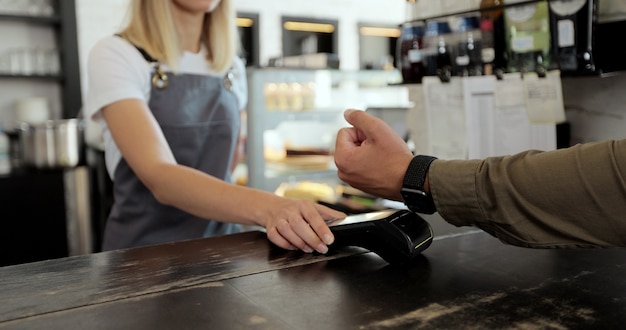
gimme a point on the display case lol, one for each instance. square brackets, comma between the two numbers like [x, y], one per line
[293, 117]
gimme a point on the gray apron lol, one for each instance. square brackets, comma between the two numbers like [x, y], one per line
[199, 116]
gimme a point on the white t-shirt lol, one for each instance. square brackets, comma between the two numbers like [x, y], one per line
[117, 71]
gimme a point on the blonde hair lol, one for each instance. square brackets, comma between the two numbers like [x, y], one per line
[151, 27]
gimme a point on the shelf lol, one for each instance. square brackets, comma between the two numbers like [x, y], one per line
[273, 179]
[272, 118]
[299, 174]
[472, 11]
[57, 78]
[43, 20]
[62, 23]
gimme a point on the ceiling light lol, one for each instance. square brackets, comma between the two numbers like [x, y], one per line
[244, 22]
[379, 32]
[309, 27]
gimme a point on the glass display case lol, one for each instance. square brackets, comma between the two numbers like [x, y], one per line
[293, 117]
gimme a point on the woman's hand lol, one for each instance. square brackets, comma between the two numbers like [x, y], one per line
[300, 224]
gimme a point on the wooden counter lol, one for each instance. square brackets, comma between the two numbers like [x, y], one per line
[242, 282]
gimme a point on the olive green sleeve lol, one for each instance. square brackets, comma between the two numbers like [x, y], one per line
[574, 197]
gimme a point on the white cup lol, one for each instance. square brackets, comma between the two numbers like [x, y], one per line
[32, 110]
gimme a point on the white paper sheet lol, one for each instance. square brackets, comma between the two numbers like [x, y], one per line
[514, 128]
[417, 123]
[478, 117]
[445, 111]
[544, 98]
[515, 132]
[478, 97]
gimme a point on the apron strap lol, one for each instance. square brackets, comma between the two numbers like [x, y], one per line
[159, 78]
[146, 55]
[143, 52]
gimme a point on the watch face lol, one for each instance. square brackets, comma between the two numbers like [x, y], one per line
[418, 201]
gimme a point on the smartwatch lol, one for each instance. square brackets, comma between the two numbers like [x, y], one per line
[413, 193]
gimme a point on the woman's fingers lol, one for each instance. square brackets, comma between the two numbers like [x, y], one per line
[302, 224]
[275, 237]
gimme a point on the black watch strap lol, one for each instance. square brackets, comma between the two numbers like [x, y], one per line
[413, 193]
[415, 175]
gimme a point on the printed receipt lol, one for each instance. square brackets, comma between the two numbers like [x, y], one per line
[544, 98]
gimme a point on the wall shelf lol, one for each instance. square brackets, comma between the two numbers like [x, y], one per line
[44, 20]
[63, 24]
[598, 55]
[473, 11]
[58, 78]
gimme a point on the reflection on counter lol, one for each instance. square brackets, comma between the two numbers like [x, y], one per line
[339, 197]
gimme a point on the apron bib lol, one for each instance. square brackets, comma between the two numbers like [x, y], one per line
[199, 117]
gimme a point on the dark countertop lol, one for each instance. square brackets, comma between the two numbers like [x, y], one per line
[242, 282]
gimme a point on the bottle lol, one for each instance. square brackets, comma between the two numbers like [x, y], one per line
[270, 92]
[282, 96]
[467, 51]
[295, 96]
[493, 51]
[438, 60]
[444, 59]
[409, 52]
[308, 95]
[572, 24]
[527, 29]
